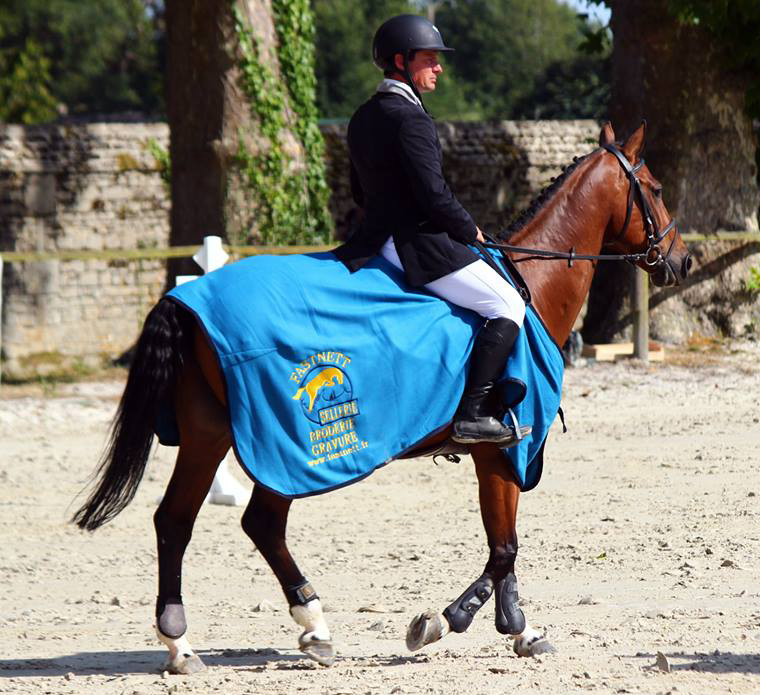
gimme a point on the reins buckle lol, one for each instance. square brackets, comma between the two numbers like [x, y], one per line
[571, 257]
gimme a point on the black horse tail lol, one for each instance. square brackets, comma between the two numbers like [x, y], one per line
[158, 359]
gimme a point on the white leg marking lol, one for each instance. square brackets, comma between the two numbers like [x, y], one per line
[314, 641]
[531, 642]
[182, 658]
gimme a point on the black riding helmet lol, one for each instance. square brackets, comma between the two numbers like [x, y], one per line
[405, 34]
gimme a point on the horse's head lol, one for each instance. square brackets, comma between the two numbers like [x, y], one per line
[640, 222]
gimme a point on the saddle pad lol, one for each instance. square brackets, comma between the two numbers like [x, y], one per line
[331, 374]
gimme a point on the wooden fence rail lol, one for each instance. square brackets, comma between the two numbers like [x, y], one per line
[639, 293]
[149, 254]
[242, 251]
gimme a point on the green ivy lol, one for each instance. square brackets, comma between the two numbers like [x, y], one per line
[291, 204]
[752, 283]
[162, 159]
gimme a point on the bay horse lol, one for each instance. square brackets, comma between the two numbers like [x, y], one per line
[607, 199]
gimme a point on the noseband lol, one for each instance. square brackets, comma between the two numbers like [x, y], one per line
[653, 255]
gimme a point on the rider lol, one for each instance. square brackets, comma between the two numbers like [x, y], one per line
[414, 221]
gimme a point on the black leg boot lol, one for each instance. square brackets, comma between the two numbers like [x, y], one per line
[473, 423]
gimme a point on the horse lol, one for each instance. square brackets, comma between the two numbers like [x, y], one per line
[605, 199]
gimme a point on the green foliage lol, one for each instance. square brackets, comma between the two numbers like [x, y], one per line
[25, 85]
[752, 283]
[578, 88]
[503, 49]
[346, 75]
[291, 204]
[78, 57]
[163, 161]
[503, 46]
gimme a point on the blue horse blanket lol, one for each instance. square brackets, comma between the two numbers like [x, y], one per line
[331, 374]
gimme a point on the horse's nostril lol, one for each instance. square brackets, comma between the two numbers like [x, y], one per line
[686, 266]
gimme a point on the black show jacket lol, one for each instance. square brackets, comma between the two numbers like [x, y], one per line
[397, 178]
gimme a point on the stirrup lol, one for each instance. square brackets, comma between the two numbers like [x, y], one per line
[519, 431]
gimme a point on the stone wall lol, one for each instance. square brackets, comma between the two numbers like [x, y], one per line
[97, 186]
[93, 186]
[495, 168]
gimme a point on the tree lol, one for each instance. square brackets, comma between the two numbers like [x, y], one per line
[575, 88]
[25, 85]
[246, 153]
[78, 57]
[676, 70]
[502, 46]
[346, 75]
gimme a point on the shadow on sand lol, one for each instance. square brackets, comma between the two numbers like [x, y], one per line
[151, 661]
[712, 662]
[122, 663]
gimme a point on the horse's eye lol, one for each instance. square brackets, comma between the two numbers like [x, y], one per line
[657, 192]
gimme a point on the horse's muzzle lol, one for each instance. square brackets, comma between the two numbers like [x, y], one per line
[686, 265]
[668, 274]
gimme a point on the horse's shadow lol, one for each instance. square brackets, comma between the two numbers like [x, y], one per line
[708, 662]
[122, 663]
[150, 661]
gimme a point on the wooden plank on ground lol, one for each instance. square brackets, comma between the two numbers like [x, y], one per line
[608, 352]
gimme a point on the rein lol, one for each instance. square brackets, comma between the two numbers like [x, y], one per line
[651, 257]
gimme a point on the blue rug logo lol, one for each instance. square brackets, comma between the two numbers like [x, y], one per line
[326, 395]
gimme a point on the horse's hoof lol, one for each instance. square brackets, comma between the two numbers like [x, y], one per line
[321, 651]
[426, 628]
[533, 647]
[185, 665]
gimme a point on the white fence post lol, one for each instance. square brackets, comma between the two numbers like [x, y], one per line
[225, 489]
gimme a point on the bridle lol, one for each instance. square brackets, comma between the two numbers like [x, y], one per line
[652, 256]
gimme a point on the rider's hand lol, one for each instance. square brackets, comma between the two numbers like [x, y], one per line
[480, 236]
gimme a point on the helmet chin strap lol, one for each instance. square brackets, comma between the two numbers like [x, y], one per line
[411, 82]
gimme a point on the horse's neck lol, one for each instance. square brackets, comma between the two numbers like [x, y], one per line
[576, 217]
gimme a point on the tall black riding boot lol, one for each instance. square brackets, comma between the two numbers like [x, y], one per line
[473, 423]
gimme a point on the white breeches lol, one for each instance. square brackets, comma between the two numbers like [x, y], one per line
[477, 287]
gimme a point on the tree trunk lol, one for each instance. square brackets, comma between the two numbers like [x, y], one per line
[210, 118]
[700, 143]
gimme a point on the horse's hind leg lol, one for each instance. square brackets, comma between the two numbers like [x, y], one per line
[204, 440]
[265, 521]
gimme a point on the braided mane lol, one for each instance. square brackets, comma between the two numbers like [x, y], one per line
[541, 199]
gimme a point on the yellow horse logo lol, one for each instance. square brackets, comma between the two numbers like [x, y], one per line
[324, 378]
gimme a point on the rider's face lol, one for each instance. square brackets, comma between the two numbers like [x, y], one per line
[424, 69]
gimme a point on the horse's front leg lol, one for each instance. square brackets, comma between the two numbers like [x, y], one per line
[499, 495]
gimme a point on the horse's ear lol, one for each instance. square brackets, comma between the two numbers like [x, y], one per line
[607, 136]
[635, 143]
